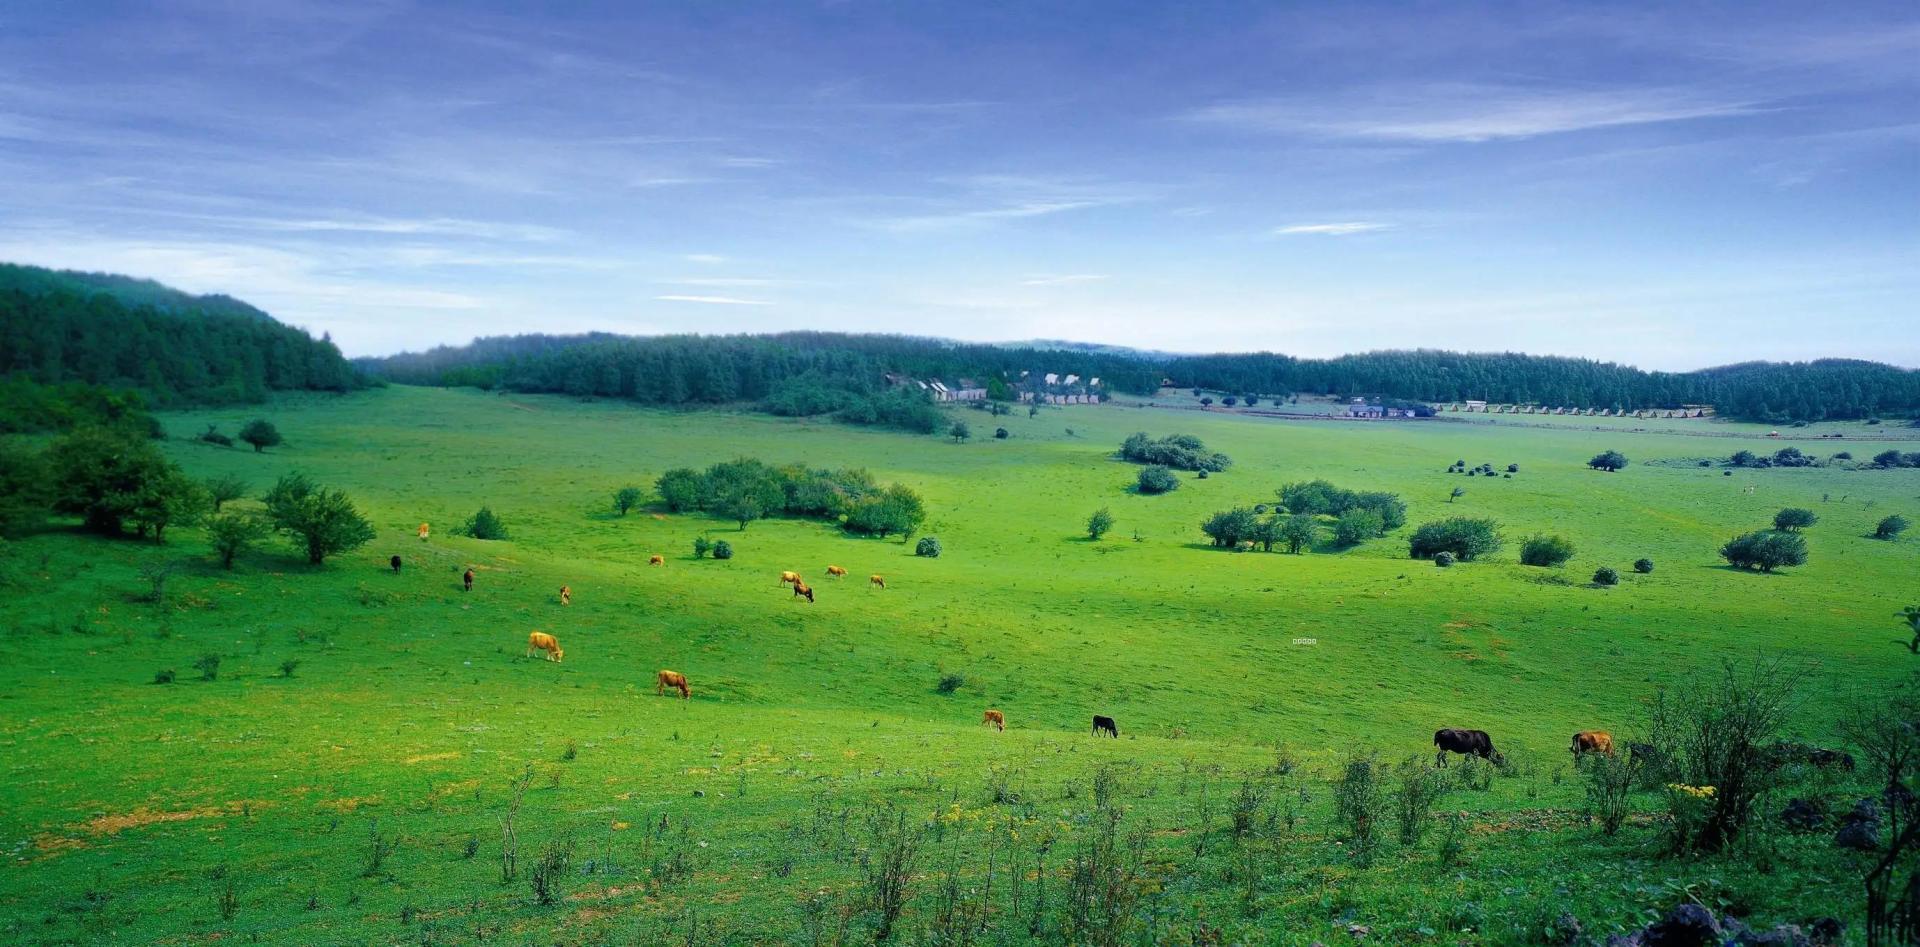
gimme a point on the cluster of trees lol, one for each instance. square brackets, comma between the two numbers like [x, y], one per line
[1178, 451]
[815, 395]
[28, 407]
[746, 490]
[58, 327]
[1609, 461]
[1772, 392]
[1893, 458]
[1461, 538]
[1770, 549]
[1322, 498]
[1784, 457]
[1297, 521]
[1229, 528]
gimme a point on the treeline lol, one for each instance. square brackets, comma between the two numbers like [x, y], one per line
[1757, 391]
[58, 328]
[746, 490]
[28, 407]
[794, 373]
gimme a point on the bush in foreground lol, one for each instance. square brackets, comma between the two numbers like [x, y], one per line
[1542, 550]
[928, 547]
[1466, 537]
[1891, 527]
[1158, 479]
[1765, 550]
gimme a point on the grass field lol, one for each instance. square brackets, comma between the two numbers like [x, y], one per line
[130, 810]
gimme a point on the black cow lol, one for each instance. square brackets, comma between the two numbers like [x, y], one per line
[395, 563]
[1103, 723]
[468, 580]
[1463, 742]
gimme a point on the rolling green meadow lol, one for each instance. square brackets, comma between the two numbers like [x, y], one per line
[360, 797]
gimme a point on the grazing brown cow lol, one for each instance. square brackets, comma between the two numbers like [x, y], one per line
[395, 563]
[1592, 741]
[423, 532]
[1105, 724]
[541, 641]
[995, 719]
[566, 595]
[803, 590]
[836, 572]
[656, 560]
[874, 580]
[789, 578]
[1463, 742]
[673, 679]
[467, 580]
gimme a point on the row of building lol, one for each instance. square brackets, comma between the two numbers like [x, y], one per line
[1482, 407]
[1050, 388]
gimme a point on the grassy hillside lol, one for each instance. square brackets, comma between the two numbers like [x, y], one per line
[130, 809]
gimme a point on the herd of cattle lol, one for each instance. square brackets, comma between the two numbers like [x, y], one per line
[1446, 740]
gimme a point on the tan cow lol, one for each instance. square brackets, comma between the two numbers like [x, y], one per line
[874, 580]
[836, 572]
[1592, 741]
[541, 641]
[995, 719]
[673, 679]
[423, 532]
[566, 595]
[789, 578]
[656, 560]
[803, 590]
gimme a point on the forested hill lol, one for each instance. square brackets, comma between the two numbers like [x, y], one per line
[59, 326]
[1760, 391]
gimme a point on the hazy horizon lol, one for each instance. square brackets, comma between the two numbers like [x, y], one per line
[1669, 189]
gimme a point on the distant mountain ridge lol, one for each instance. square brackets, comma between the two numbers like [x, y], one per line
[132, 290]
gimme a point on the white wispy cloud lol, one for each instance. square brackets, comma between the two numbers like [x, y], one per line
[717, 281]
[1468, 112]
[1063, 279]
[1333, 229]
[713, 300]
[708, 259]
[435, 226]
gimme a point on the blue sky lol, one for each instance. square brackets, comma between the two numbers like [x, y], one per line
[1670, 185]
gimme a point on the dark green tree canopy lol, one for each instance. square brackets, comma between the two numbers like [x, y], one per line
[324, 522]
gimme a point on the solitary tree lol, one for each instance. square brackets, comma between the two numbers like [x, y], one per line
[224, 488]
[626, 498]
[234, 533]
[1099, 523]
[324, 521]
[1794, 518]
[485, 524]
[1001, 433]
[1765, 550]
[959, 431]
[1457, 493]
[1891, 527]
[1608, 461]
[261, 433]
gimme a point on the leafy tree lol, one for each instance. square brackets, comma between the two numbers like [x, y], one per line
[484, 524]
[1608, 461]
[1742, 458]
[1229, 528]
[742, 507]
[1765, 550]
[1315, 497]
[1457, 493]
[1606, 575]
[679, 489]
[26, 489]
[170, 498]
[959, 432]
[1543, 550]
[111, 478]
[223, 488]
[234, 533]
[1356, 526]
[1468, 538]
[1206, 402]
[1911, 615]
[701, 546]
[894, 510]
[1643, 566]
[626, 498]
[1229, 401]
[1891, 527]
[1157, 480]
[1794, 518]
[1888, 458]
[723, 550]
[1000, 433]
[323, 521]
[928, 548]
[1099, 523]
[1299, 531]
[261, 433]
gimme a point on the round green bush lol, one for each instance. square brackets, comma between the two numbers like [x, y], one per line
[1541, 550]
[1606, 576]
[1158, 479]
[723, 550]
[1443, 559]
[928, 547]
[1643, 566]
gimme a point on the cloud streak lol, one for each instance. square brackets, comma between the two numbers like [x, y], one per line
[1467, 113]
[713, 300]
[1331, 230]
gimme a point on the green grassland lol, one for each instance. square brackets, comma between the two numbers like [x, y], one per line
[128, 809]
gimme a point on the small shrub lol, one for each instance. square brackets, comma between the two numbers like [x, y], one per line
[546, 873]
[1443, 559]
[1609, 790]
[288, 666]
[379, 849]
[1546, 551]
[1513, 468]
[1608, 461]
[570, 753]
[626, 498]
[470, 849]
[701, 545]
[485, 525]
[1794, 518]
[1417, 786]
[1643, 566]
[1099, 523]
[1202, 475]
[1359, 798]
[1466, 537]
[212, 436]
[1891, 527]
[950, 682]
[163, 676]
[208, 666]
[928, 547]
[1157, 479]
[723, 550]
[1607, 575]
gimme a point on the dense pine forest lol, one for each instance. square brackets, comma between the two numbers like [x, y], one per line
[60, 327]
